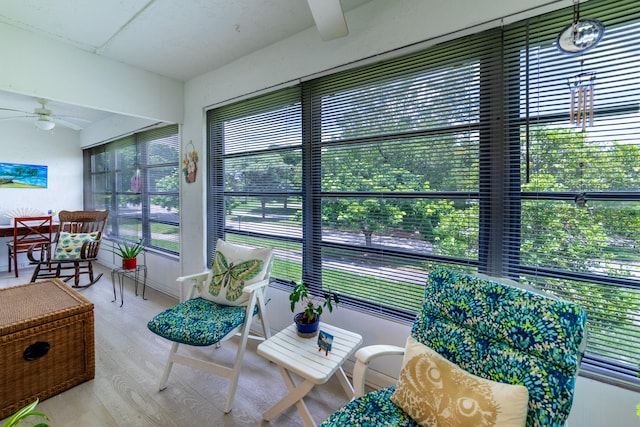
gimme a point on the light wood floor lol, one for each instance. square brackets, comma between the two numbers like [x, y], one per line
[129, 363]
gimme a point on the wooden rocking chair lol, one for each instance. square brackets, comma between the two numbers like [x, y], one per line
[75, 247]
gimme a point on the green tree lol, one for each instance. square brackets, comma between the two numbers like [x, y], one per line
[268, 173]
[366, 214]
[409, 156]
[169, 184]
[591, 236]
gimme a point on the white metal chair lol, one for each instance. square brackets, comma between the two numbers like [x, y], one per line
[220, 305]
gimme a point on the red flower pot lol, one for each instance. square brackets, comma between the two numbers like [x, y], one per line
[129, 263]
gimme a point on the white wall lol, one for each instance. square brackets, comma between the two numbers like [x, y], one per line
[32, 65]
[59, 150]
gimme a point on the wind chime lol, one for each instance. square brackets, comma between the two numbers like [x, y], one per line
[582, 91]
[578, 37]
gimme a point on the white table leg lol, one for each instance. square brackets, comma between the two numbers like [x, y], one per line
[346, 385]
[296, 393]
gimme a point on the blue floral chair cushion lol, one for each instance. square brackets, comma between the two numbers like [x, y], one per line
[506, 334]
[371, 410]
[208, 322]
[495, 331]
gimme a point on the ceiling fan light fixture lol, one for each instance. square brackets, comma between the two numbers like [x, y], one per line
[45, 123]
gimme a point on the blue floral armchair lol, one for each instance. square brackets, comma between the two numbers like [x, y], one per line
[493, 331]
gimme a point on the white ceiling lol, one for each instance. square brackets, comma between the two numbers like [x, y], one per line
[180, 39]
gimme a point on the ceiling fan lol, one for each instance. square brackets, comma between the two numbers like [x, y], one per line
[45, 118]
[329, 18]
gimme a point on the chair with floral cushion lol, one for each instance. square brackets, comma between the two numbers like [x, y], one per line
[220, 304]
[481, 353]
[75, 248]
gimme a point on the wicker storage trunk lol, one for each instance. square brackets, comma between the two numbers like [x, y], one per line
[46, 342]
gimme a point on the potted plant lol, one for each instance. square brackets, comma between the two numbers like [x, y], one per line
[128, 251]
[27, 411]
[308, 320]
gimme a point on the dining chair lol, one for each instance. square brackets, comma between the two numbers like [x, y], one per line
[220, 304]
[480, 353]
[74, 248]
[27, 232]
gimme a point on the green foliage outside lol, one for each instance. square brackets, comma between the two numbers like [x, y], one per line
[347, 283]
[168, 184]
[597, 237]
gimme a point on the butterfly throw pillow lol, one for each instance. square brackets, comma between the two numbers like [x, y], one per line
[233, 268]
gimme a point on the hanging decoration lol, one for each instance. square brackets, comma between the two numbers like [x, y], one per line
[580, 35]
[582, 91]
[190, 163]
[135, 182]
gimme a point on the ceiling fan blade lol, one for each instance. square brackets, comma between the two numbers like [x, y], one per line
[29, 116]
[67, 124]
[74, 118]
[17, 111]
[329, 18]
[43, 115]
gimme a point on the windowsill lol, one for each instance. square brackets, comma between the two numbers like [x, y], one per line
[153, 251]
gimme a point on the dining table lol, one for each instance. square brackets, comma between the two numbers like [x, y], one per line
[6, 230]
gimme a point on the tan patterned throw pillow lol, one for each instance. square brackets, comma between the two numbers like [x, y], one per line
[436, 392]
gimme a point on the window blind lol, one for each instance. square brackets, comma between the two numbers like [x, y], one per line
[395, 154]
[136, 178]
[255, 175]
[578, 202]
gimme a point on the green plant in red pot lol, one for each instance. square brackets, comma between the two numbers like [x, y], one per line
[308, 320]
[128, 251]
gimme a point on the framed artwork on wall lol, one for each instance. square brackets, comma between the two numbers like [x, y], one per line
[17, 175]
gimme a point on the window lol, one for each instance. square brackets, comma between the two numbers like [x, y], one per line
[255, 177]
[579, 199]
[462, 155]
[136, 178]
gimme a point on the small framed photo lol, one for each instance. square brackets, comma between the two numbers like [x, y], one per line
[324, 342]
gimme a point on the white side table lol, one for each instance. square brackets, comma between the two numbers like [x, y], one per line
[294, 354]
